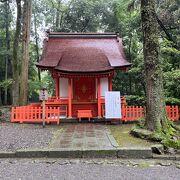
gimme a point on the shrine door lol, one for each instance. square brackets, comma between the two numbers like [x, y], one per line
[84, 89]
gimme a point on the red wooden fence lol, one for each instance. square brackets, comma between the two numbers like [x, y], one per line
[130, 113]
[34, 114]
[172, 113]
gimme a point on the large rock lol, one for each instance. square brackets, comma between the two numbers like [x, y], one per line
[141, 133]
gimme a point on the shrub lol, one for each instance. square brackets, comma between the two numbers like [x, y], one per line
[135, 100]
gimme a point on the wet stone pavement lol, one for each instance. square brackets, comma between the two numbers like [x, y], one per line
[83, 137]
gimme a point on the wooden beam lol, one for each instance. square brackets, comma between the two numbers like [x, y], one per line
[110, 83]
[69, 98]
[95, 75]
[57, 86]
[99, 98]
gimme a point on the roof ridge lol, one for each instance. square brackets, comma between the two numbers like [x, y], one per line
[82, 35]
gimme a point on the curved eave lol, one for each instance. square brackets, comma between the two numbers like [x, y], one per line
[44, 67]
[124, 67]
[84, 72]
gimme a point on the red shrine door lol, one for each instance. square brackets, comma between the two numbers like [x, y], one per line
[84, 89]
[84, 95]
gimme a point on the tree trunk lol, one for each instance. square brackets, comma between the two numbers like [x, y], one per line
[129, 75]
[58, 15]
[7, 9]
[27, 11]
[15, 62]
[37, 47]
[61, 20]
[0, 98]
[156, 119]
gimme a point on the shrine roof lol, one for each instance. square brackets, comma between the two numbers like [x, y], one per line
[83, 52]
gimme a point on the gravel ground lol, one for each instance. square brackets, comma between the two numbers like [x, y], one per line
[20, 136]
[65, 169]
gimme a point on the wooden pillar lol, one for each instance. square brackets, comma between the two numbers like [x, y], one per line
[110, 83]
[57, 86]
[69, 98]
[99, 98]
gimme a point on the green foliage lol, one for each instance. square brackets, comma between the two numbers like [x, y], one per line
[6, 83]
[172, 143]
[133, 100]
[172, 101]
[132, 82]
[121, 16]
[172, 83]
[5, 113]
[168, 136]
[36, 85]
[139, 124]
[48, 83]
[84, 16]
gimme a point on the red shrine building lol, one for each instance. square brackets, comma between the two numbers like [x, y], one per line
[82, 66]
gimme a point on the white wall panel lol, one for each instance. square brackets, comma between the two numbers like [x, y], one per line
[63, 83]
[104, 85]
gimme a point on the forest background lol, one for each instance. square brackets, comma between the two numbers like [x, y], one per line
[122, 16]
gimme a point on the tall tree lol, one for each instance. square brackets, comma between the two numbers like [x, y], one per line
[15, 62]
[36, 39]
[58, 14]
[7, 20]
[156, 119]
[27, 11]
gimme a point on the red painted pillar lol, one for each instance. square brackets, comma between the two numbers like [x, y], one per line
[110, 83]
[69, 98]
[57, 86]
[99, 98]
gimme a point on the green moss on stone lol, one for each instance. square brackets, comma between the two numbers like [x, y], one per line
[171, 143]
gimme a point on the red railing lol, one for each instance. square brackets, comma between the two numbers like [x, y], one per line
[172, 113]
[34, 114]
[131, 113]
[53, 98]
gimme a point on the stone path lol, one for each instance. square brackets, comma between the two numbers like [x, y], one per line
[83, 137]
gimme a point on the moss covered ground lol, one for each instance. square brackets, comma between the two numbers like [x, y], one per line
[124, 139]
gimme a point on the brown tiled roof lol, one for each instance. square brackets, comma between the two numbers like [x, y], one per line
[83, 52]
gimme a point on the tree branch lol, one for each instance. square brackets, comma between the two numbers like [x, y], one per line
[169, 36]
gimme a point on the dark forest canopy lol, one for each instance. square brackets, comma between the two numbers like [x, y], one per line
[121, 16]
